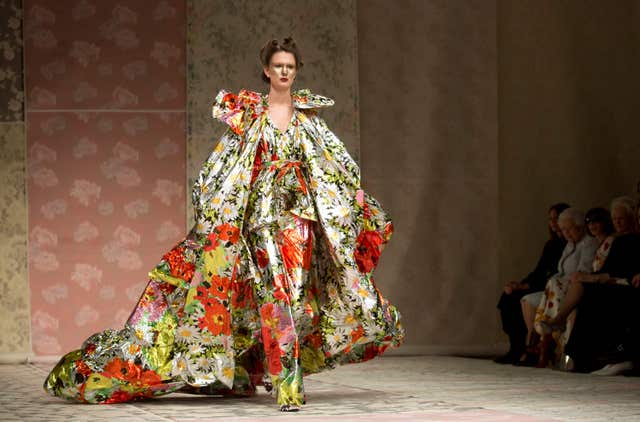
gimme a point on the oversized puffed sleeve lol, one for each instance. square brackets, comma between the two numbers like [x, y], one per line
[237, 111]
[305, 99]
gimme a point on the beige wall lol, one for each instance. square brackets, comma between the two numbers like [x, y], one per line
[429, 148]
[476, 116]
[14, 285]
[569, 97]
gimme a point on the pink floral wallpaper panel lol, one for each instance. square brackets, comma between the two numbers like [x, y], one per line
[105, 101]
[106, 201]
[105, 54]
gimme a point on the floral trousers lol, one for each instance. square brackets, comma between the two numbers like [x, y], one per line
[285, 300]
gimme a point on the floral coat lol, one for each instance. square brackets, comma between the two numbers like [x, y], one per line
[211, 318]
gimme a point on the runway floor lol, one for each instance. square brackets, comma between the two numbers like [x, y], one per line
[399, 388]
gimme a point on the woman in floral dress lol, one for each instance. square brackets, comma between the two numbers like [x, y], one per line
[273, 282]
[559, 292]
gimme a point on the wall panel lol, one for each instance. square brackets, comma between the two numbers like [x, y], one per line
[14, 283]
[106, 132]
[569, 101]
[429, 142]
[11, 80]
[14, 286]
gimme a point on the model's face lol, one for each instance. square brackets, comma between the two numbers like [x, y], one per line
[282, 70]
[571, 231]
[622, 220]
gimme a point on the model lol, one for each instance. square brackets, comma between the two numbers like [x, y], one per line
[273, 282]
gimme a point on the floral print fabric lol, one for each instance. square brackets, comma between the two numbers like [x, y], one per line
[273, 282]
[602, 253]
[554, 293]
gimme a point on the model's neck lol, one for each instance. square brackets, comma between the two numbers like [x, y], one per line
[277, 96]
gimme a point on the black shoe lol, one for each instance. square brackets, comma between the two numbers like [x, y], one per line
[289, 408]
[509, 358]
[529, 360]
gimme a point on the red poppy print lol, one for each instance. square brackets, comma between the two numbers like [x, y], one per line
[219, 287]
[228, 233]
[292, 248]
[273, 353]
[242, 294]
[177, 264]
[216, 318]
[262, 257]
[367, 250]
[269, 320]
[357, 334]
[280, 281]
[212, 242]
[132, 373]
[82, 368]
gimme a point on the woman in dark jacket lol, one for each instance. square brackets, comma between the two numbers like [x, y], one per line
[510, 309]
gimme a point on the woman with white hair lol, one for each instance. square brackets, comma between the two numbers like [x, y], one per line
[577, 256]
[607, 331]
[618, 265]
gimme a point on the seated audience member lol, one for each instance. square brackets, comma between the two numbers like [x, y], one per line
[577, 255]
[607, 328]
[509, 304]
[599, 225]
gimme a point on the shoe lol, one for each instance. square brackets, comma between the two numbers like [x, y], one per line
[289, 408]
[529, 360]
[508, 358]
[566, 364]
[614, 368]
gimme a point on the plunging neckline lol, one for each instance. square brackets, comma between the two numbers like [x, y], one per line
[272, 122]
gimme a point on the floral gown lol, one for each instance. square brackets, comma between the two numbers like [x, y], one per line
[273, 282]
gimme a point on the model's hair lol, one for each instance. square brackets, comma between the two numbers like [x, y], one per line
[574, 215]
[600, 215]
[272, 47]
[625, 202]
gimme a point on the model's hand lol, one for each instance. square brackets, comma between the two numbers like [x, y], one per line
[510, 287]
[635, 282]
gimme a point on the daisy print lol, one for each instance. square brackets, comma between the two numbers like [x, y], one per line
[187, 334]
